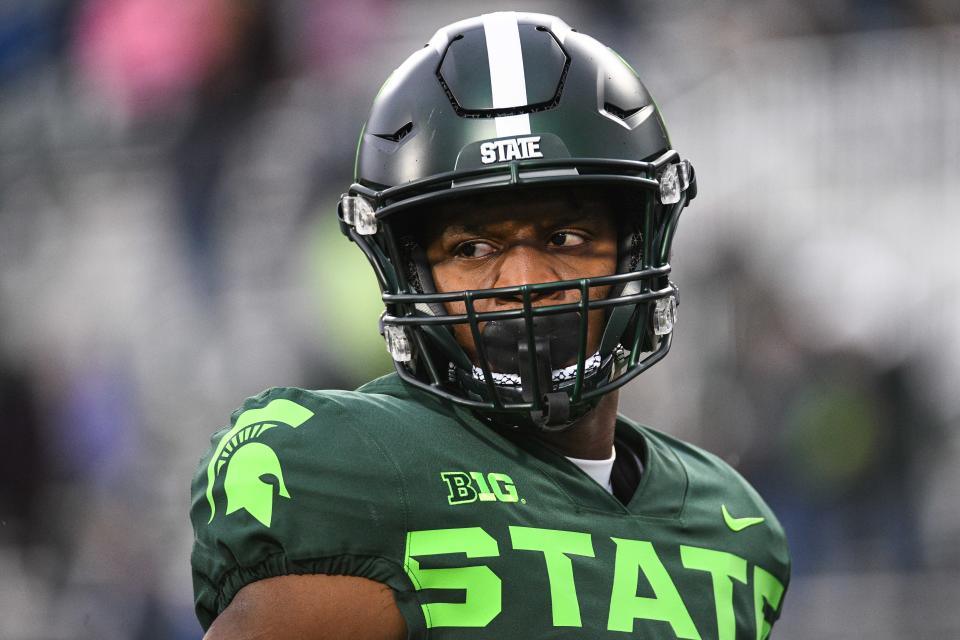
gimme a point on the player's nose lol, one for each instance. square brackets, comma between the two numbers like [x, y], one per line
[525, 264]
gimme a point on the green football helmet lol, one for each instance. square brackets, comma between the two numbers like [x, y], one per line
[518, 101]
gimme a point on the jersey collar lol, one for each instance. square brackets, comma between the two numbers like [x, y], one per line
[662, 487]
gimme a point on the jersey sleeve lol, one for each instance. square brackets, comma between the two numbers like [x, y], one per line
[296, 485]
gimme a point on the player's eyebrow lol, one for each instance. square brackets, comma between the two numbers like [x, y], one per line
[477, 226]
[468, 228]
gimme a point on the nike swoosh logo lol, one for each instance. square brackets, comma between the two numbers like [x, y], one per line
[738, 524]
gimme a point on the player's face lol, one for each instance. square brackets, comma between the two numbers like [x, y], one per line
[506, 243]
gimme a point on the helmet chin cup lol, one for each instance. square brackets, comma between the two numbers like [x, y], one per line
[555, 341]
[506, 346]
[506, 343]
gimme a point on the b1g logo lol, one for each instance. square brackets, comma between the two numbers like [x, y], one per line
[464, 487]
[510, 149]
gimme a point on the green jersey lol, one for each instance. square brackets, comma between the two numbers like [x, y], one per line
[481, 532]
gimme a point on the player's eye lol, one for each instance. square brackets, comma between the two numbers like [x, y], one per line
[474, 249]
[566, 239]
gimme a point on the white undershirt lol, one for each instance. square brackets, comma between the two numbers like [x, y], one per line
[599, 470]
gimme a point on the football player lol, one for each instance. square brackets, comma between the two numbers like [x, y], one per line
[517, 196]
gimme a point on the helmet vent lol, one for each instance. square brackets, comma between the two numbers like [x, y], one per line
[619, 112]
[397, 135]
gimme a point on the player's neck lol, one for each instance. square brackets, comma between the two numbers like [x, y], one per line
[590, 437]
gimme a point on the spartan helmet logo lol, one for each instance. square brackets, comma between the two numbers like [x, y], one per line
[250, 465]
[245, 484]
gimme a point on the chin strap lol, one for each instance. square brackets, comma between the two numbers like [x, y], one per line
[556, 411]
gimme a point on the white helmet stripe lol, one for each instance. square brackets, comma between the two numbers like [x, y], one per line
[507, 83]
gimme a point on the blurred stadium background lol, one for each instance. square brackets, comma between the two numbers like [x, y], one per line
[168, 176]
